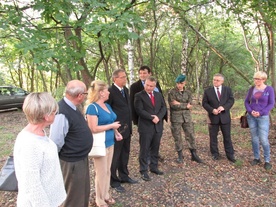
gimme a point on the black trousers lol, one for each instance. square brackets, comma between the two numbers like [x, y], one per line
[119, 169]
[227, 142]
[149, 147]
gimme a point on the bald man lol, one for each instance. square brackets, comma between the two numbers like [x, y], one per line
[74, 141]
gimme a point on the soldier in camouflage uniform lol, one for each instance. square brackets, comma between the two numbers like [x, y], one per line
[180, 104]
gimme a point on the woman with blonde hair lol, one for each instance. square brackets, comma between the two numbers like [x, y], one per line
[259, 101]
[100, 117]
[37, 167]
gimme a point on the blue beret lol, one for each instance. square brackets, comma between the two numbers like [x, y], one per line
[181, 78]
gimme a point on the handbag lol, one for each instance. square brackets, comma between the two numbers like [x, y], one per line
[8, 181]
[98, 148]
[243, 121]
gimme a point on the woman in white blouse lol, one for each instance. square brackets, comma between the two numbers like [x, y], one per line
[37, 167]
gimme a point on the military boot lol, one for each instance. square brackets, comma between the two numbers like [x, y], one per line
[194, 156]
[180, 157]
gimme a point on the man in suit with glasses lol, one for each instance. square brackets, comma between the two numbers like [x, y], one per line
[120, 103]
[217, 101]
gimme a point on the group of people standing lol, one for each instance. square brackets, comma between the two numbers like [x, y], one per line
[54, 171]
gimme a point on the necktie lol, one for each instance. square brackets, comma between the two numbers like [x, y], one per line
[123, 93]
[152, 98]
[218, 93]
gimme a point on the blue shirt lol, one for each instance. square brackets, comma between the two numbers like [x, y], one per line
[104, 118]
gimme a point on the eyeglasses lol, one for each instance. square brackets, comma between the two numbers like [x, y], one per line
[216, 80]
[122, 77]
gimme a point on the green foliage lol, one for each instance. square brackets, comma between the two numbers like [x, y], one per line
[63, 34]
[2, 82]
[58, 93]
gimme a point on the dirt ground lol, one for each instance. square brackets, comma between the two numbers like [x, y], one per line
[213, 183]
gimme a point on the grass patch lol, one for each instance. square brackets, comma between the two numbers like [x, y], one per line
[238, 109]
[238, 163]
[201, 129]
[6, 144]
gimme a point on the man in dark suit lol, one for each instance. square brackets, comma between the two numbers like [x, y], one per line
[144, 73]
[151, 108]
[119, 101]
[217, 101]
[136, 87]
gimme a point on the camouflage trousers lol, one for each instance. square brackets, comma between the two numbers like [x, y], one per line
[188, 128]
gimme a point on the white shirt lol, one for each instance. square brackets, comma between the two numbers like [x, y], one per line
[120, 89]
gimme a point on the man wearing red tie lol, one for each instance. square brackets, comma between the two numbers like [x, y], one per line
[150, 108]
[217, 101]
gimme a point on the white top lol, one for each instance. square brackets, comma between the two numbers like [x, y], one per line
[37, 168]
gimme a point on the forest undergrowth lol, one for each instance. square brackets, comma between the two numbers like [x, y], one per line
[212, 183]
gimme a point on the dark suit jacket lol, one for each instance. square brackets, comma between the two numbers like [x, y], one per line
[145, 109]
[121, 107]
[211, 102]
[135, 88]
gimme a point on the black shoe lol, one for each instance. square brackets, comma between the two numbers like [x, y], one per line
[119, 189]
[157, 172]
[180, 157]
[215, 157]
[129, 180]
[232, 159]
[145, 176]
[255, 162]
[267, 166]
[194, 156]
[179, 160]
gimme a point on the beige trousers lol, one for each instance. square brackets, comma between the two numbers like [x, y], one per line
[102, 176]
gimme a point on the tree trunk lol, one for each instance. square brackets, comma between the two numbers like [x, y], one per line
[130, 61]
[86, 77]
[59, 74]
[139, 51]
[247, 45]
[43, 81]
[218, 53]
[271, 54]
[184, 53]
[67, 34]
[104, 60]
